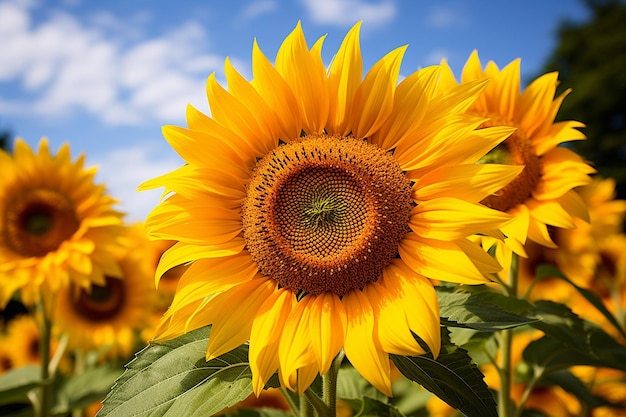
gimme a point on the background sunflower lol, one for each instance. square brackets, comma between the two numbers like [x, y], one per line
[109, 317]
[56, 226]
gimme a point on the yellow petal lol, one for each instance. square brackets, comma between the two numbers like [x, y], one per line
[327, 323]
[345, 74]
[295, 350]
[190, 222]
[439, 260]
[472, 182]
[538, 232]
[265, 336]
[239, 87]
[373, 101]
[416, 296]
[448, 218]
[227, 110]
[277, 93]
[563, 170]
[232, 326]
[550, 212]
[306, 76]
[411, 104]
[391, 325]
[362, 346]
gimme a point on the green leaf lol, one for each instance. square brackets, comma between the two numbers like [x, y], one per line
[80, 390]
[549, 271]
[172, 378]
[15, 383]
[453, 377]
[476, 310]
[371, 407]
[258, 412]
[571, 341]
[482, 347]
[350, 385]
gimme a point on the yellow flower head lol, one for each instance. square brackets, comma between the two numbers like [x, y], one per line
[314, 205]
[110, 316]
[542, 195]
[56, 226]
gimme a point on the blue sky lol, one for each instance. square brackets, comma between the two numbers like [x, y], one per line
[104, 76]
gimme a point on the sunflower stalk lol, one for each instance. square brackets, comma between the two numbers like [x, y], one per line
[330, 384]
[320, 407]
[46, 382]
[506, 339]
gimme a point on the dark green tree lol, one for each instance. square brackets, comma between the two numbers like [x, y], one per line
[591, 59]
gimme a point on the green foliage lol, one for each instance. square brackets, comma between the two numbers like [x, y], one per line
[452, 376]
[82, 389]
[549, 271]
[16, 383]
[590, 60]
[478, 309]
[173, 378]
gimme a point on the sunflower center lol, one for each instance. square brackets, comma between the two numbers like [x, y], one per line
[517, 149]
[326, 214]
[101, 303]
[38, 221]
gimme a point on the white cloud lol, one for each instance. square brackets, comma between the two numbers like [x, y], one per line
[258, 8]
[435, 56]
[122, 170]
[65, 64]
[346, 12]
[448, 16]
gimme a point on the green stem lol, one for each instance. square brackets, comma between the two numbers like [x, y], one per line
[537, 373]
[318, 404]
[46, 380]
[506, 339]
[330, 385]
[290, 402]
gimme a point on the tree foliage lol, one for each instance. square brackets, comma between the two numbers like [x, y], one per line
[591, 60]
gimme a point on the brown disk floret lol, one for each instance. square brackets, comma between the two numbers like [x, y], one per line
[326, 214]
[517, 149]
[101, 303]
[38, 221]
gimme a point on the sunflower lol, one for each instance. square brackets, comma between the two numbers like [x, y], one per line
[542, 195]
[593, 256]
[6, 358]
[315, 204]
[23, 337]
[110, 316]
[56, 226]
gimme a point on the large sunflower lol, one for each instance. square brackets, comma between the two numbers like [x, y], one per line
[110, 316]
[56, 226]
[315, 204]
[542, 195]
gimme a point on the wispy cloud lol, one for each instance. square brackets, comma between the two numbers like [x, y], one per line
[447, 16]
[62, 64]
[435, 56]
[346, 12]
[257, 8]
[122, 170]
